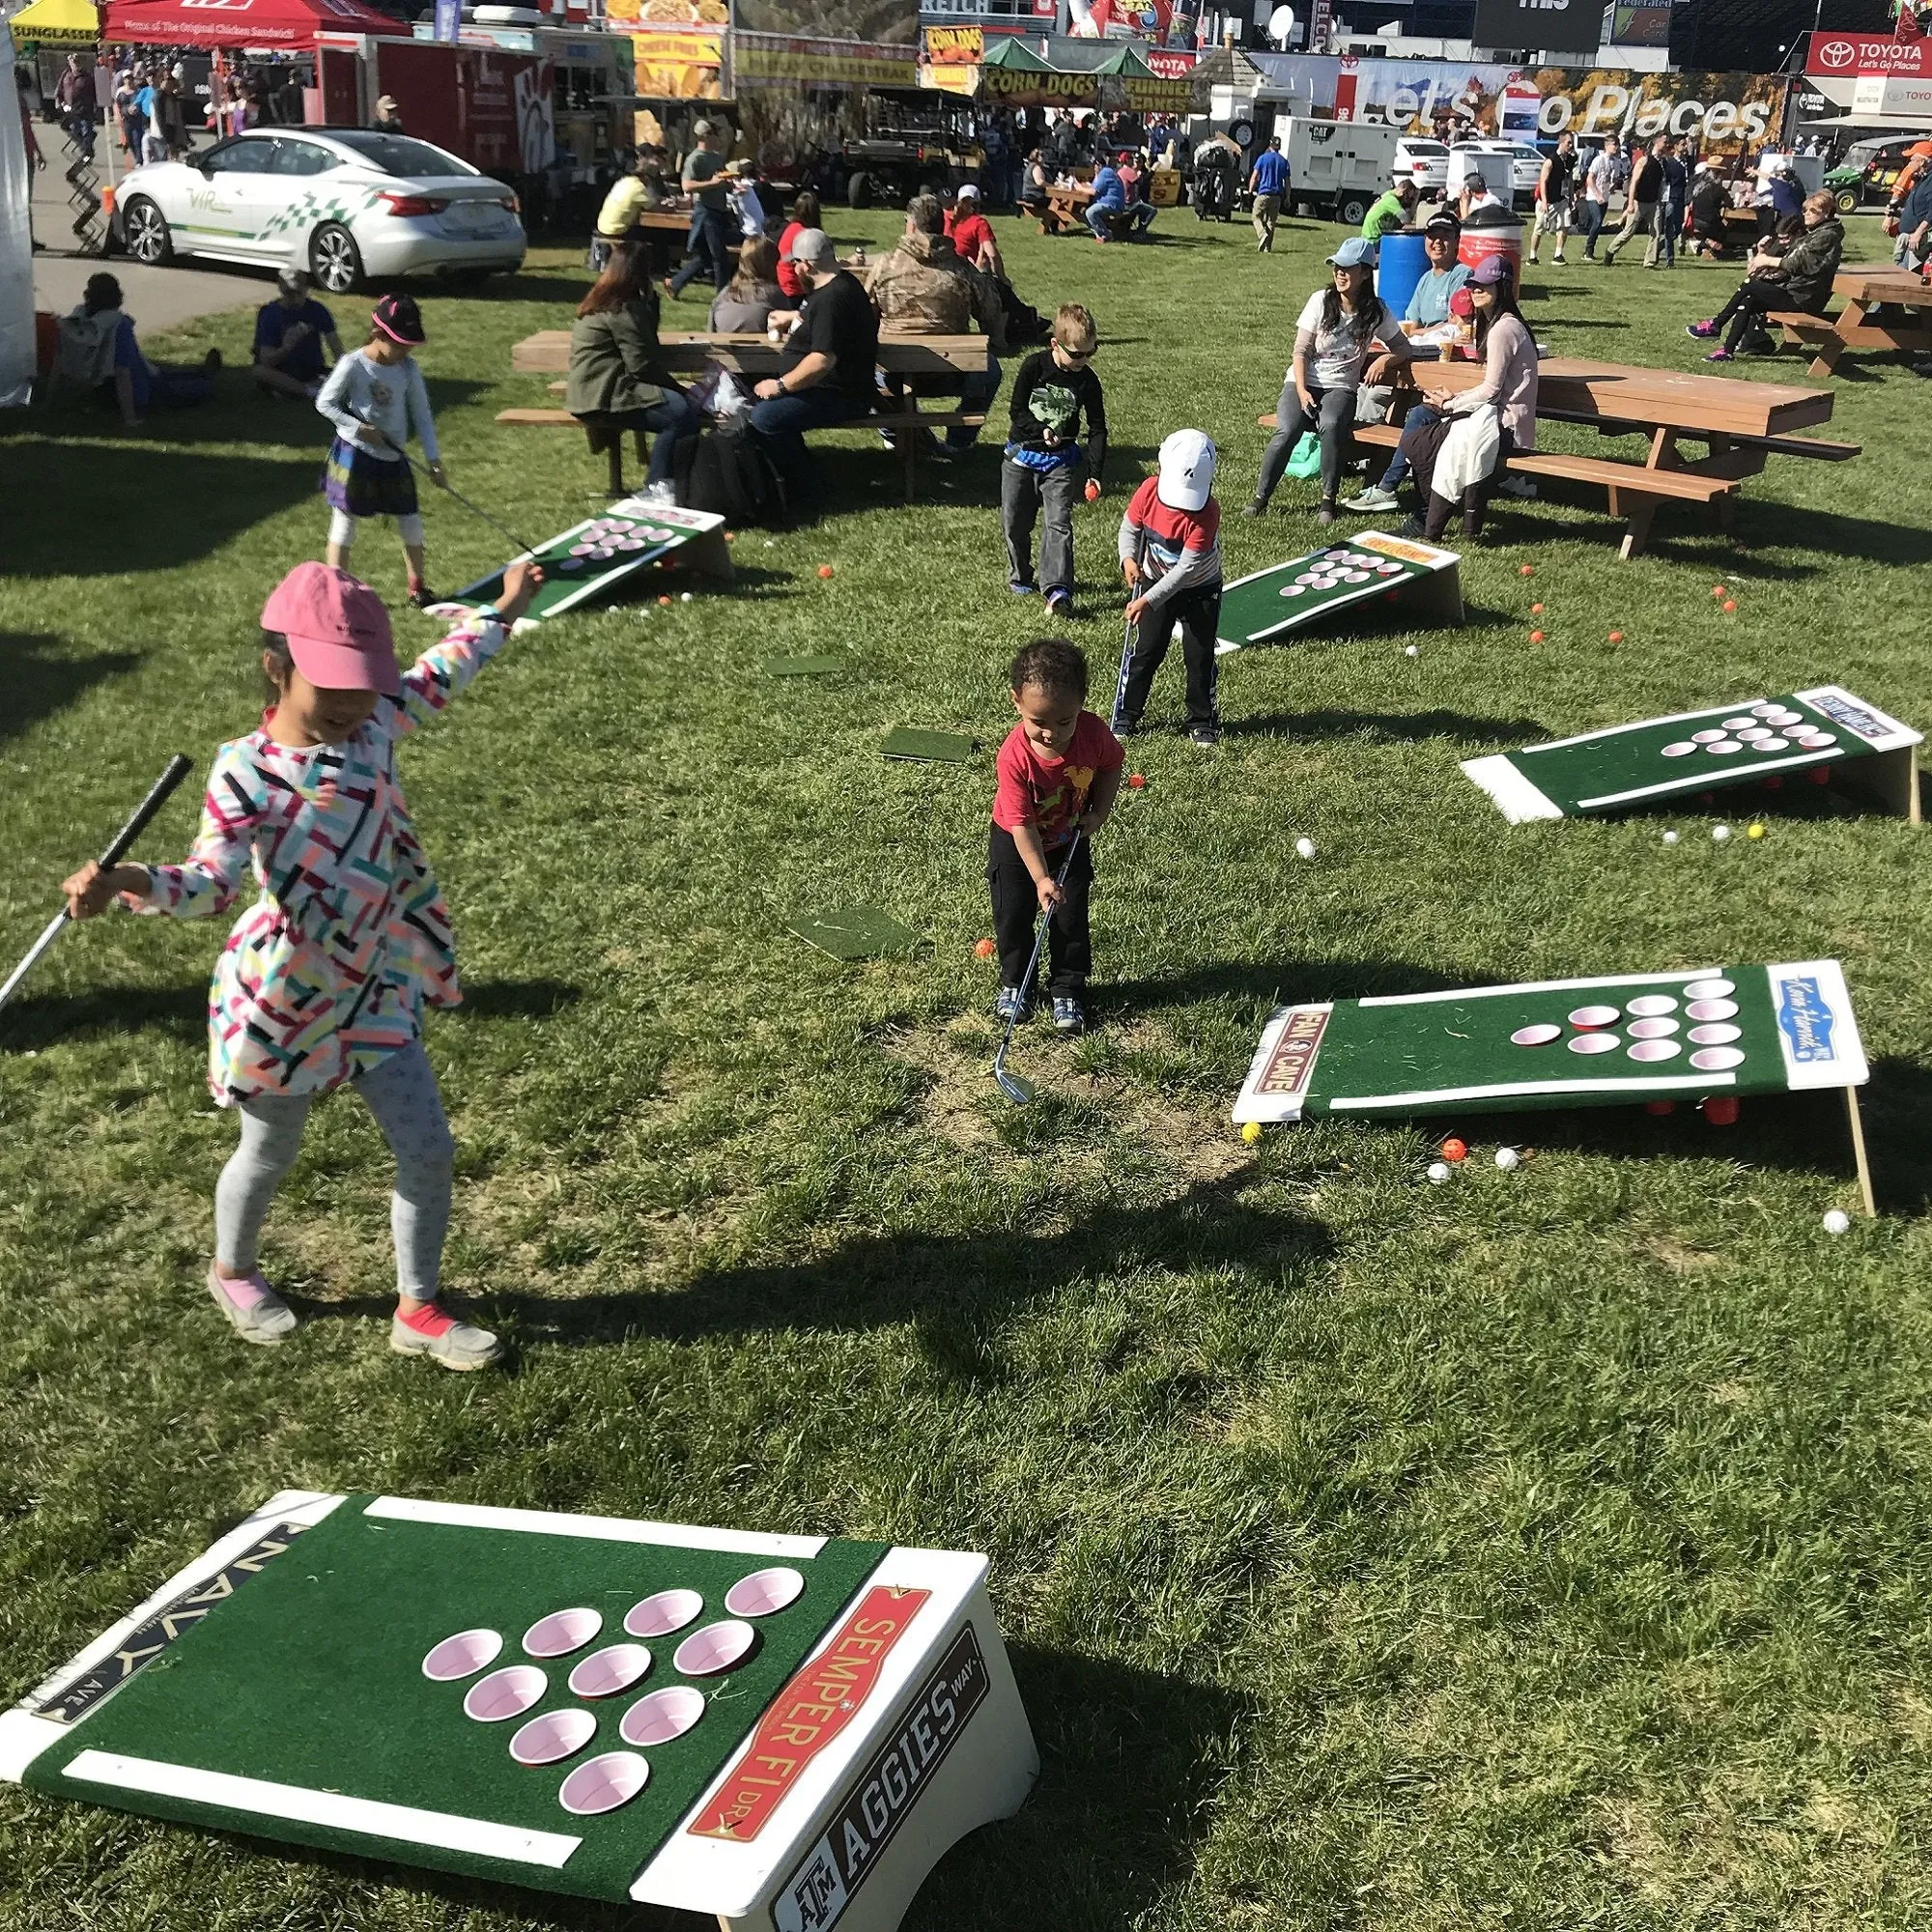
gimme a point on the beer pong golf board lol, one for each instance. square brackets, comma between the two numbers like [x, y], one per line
[1631, 1038]
[1371, 566]
[1659, 759]
[784, 1731]
[593, 558]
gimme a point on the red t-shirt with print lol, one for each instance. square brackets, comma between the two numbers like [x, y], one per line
[1170, 531]
[970, 233]
[1050, 793]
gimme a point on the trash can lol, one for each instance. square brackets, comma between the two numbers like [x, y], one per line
[1403, 262]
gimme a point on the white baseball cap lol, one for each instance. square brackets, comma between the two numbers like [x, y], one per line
[1186, 469]
[968, 191]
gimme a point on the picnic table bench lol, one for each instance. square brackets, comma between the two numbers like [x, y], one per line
[1742, 425]
[756, 357]
[1864, 290]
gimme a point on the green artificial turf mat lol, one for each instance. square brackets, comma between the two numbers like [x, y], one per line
[856, 932]
[940, 748]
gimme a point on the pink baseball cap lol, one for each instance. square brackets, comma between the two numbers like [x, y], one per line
[338, 629]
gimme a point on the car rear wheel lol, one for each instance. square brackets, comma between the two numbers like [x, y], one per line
[333, 259]
[859, 190]
[145, 230]
[1352, 211]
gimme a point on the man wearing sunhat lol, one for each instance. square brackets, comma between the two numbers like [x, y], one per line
[827, 373]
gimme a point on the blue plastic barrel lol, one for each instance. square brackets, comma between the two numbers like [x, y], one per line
[1402, 264]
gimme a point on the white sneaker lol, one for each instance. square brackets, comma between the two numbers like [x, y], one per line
[1373, 502]
[254, 1310]
[1518, 486]
[664, 495]
[456, 1345]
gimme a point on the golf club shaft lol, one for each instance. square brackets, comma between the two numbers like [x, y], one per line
[163, 790]
[1127, 670]
[528, 549]
[1040, 936]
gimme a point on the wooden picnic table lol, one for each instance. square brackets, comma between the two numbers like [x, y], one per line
[1066, 208]
[1742, 425]
[1862, 290]
[548, 354]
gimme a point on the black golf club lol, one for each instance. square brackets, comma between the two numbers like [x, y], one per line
[164, 789]
[1127, 670]
[1017, 1089]
[529, 549]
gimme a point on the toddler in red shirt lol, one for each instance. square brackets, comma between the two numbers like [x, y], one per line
[1059, 772]
[1171, 557]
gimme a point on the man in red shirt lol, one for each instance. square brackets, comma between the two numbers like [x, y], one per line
[1059, 773]
[972, 232]
[1170, 550]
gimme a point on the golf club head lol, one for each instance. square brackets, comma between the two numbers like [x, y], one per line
[1016, 1090]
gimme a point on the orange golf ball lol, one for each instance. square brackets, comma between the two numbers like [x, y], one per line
[825, 570]
[664, 600]
[1092, 490]
[1536, 610]
[1455, 1149]
[1526, 570]
[1536, 637]
[982, 949]
[1616, 637]
[1717, 590]
[1730, 606]
[1137, 783]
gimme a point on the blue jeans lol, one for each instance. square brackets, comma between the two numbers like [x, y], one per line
[1099, 218]
[779, 423]
[712, 234]
[978, 394]
[1589, 224]
[675, 418]
[1398, 470]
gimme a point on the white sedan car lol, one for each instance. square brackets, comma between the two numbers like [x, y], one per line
[344, 203]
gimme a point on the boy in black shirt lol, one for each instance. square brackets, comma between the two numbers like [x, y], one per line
[826, 372]
[1056, 387]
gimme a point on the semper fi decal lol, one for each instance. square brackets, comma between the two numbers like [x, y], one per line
[809, 1713]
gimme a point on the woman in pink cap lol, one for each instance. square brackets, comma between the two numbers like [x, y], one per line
[325, 977]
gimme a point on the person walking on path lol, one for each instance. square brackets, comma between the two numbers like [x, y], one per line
[1645, 207]
[1269, 185]
[1554, 187]
[1606, 173]
[713, 234]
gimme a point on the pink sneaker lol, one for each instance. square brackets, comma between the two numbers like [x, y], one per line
[254, 1310]
[433, 1332]
[1721, 356]
[1702, 331]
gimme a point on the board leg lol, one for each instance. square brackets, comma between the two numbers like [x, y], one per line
[1857, 1123]
[1891, 781]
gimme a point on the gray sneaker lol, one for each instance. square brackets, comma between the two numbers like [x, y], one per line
[454, 1344]
[254, 1310]
[1372, 502]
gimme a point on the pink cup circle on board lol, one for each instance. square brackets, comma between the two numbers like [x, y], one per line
[1717, 1035]
[1655, 1049]
[463, 1655]
[1681, 749]
[716, 1648]
[663, 1716]
[554, 1737]
[603, 1784]
[1596, 1016]
[1594, 1042]
[505, 1694]
[1713, 1009]
[660, 1614]
[1717, 1059]
[766, 1592]
[561, 1631]
[1647, 1006]
[1539, 1035]
[1707, 989]
[607, 1672]
[1657, 1028]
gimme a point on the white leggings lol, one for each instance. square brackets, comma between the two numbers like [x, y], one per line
[401, 1093]
[342, 529]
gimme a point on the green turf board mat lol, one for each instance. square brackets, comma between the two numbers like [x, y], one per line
[803, 667]
[1723, 1029]
[1361, 570]
[858, 932]
[656, 533]
[1658, 759]
[310, 1677]
[937, 747]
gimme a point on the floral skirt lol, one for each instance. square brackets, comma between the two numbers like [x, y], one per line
[363, 484]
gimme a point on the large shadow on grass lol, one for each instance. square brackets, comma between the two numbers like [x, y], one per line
[1388, 728]
[39, 678]
[95, 509]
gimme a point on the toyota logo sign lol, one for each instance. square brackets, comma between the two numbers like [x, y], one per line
[1835, 54]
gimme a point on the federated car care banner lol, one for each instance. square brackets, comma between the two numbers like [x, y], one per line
[850, 42]
[1720, 112]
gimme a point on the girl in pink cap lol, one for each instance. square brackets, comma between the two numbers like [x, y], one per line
[325, 977]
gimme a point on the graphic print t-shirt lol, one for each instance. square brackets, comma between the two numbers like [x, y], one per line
[1050, 793]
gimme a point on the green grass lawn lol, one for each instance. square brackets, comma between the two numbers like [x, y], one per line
[1546, 1550]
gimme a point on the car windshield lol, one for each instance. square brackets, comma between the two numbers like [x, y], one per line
[398, 155]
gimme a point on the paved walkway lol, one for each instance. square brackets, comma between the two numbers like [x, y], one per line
[157, 297]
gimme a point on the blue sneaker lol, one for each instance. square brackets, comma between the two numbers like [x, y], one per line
[1069, 1014]
[1013, 1007]
[1021, 587]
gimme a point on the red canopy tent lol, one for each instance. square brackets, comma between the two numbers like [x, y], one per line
[239, 23]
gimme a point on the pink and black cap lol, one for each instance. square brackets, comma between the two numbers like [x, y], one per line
[400, 319]
[338, 629]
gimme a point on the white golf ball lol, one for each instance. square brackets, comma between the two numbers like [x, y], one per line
[1439, 1171]
[1721, 832]
[1670, 838]
[1304, 848]
[1507, 1158]
[685, 598]
[1837, 1222]
[1411, 651]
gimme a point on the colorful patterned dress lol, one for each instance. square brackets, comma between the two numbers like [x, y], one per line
[328, 971]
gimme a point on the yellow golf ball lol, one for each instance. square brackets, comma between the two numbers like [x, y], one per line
[1251, 1133]
[1754, 832]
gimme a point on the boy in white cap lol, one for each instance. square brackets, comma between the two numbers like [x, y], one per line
[1171, 557]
